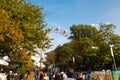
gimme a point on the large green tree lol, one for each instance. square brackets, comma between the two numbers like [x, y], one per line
[110, 38]
[22, 26]
[89, 47]
[10, 34]
[83, 38]
[30, 22]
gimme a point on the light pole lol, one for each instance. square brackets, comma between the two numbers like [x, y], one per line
[74, 63]
[112, 54]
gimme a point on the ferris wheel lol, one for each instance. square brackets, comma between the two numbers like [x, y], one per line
[61, 31]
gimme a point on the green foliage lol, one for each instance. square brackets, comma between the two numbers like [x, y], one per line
[106, 30]
[30, 19]
[62, 55]
[81, 31]
[21, 27]
[88, 46]
[10, 34]
[51, 57]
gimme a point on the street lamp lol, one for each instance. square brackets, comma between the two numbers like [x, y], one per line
[112, 54]
[73, 58]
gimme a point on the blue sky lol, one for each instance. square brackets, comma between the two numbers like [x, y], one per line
[65, 13]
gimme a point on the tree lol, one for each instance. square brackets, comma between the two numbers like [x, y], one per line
[51, 58]
[63, 55]
[110, 38]
[83, 38]
[82, 30]
[29, 19]
[88, 46]
[106, 30]
[22, 26]
[10, 34]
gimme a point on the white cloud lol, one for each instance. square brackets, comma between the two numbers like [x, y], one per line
[95, 25]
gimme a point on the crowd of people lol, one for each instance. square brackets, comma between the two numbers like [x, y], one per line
[46, 75]
[68, 74]
[59, 75]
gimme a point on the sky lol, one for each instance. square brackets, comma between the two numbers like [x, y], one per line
[65, 13]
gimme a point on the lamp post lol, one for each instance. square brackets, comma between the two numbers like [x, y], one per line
[112, 54]
[73, 58]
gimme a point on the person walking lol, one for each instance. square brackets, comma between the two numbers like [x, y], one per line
[10, 76]
[70, 74]
[45, 77]
[30, 75]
